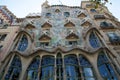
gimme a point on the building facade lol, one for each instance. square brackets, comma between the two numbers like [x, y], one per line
[60, 43]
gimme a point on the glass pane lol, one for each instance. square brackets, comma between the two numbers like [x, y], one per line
[71, 60]
[84, 61]
[23, 43]
[14, 69]
[86, 68]
[102, 59]
[111, 71]
[94, 41]
[105, 68]
[33, 69]
[89, 78]
[88, 72]
[47, 60]
[71, 67]
[47, 70]
[103, 71]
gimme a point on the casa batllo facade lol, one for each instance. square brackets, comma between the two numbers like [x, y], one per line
[60, 43]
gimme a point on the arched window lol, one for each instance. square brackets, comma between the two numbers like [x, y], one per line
[71, 67]
[59, 70]
[32, 71]
[14, 69]
[23, 43]
[47, 68]
[87, 69]
[94, 41]
[105, 69]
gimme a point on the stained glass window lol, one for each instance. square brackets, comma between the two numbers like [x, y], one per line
[71, 67]
[86, 68]
[14, 69]
[94, 41]
[32, 72]
[47, 68]
[23, 43]
[106, 70]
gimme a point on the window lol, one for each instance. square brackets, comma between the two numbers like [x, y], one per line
[32, 72]
[105, 69]
[71, 67]
[1, 21]
[48, 15]
[92, 10]
[66, 14]
[14, 69]
[47, 68]
[87, 69]
[59, 70]
[113, 37]
[106, 25]
[72, 42]
[44, 44]
[2, 37]
[23, 43]
[1, 46]
[112, 34]
[94, 41]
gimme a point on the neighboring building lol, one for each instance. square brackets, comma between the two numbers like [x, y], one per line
[7, 31]
[61, 43]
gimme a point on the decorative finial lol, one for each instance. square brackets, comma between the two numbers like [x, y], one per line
[45, 4]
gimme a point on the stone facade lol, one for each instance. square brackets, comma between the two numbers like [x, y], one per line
[60, 43]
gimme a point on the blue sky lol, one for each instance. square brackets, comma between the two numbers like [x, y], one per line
[21, 8]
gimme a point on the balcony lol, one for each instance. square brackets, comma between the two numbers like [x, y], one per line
[90, 5]
[44, 32]
[42, 44]
[99, 16]
[115, 39]
[105, 25]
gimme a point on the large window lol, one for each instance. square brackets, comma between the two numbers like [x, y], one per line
[14, 69]
[87, 69]
[2, 37]
[23, 43]
[59, 70]
[94, 41]
[47, 68]
[106, 70]
[32, 72]
[71, 67]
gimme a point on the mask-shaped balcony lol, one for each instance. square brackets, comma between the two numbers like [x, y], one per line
[105, 25]
[45, 32]
[115, 39]
[90, 5]
[99, 16]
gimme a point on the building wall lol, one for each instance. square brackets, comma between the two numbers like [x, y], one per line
[65, 30]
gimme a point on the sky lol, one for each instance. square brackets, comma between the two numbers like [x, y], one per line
[22, 8]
